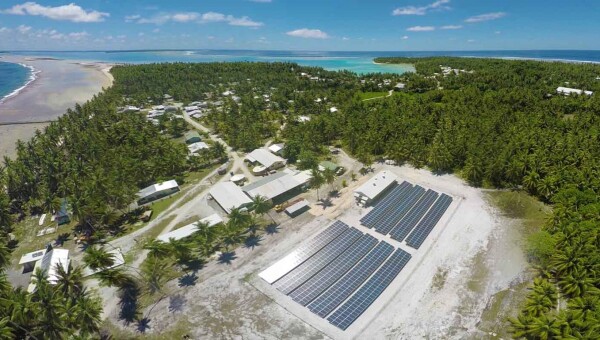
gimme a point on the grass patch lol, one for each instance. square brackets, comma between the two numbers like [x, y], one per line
[520, 205]
[439, 279]
[371, 95]
[500, 307]
[479, 273]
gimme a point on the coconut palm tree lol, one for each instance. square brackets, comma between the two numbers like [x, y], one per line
[316, 180]
[544, 328]
[157, 248]
[261, 205]
[115, 278]
[86, 313]
[329, 177]
[6, 331]
[237, 219]
[70, 280]
[98, 258]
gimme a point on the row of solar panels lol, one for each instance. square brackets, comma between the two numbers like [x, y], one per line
[407, 212]
[338, 274]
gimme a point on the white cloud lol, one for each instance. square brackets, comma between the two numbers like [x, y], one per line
[156, 30]
[78, 35]
[23, 29]
[471, 40]
[244, 21]
[132, 18]
[308, 33]
[451, 27]
[345, 38]
[5, 30]
[405, 37]
[421, 29]
[230, 40]
[261, 1]
[185, 17]
[70, 12]
[210, 37]
[485, 17]
[497, 32]
[421, 10]
[141, 34]
[203, 18]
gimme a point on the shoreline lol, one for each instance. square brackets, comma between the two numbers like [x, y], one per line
[58, 85]
[32, 77]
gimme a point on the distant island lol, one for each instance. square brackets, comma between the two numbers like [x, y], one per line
[168, 147]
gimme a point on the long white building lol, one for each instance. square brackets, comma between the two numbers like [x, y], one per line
[368, 192]
[567, 91]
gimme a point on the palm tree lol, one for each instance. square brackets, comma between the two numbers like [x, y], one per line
[6, 332]
[86, 313]
[519, 326]
[182, 249]
[98, 257]
[316, 180]
[237, 218]
[261, 205]
[158, 248]
[4, 253]
[115, 278]
[70, 281]
[328, 177]
[218, 150]
[544, 328]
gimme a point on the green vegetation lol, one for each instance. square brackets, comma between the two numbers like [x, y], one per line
[371, 95]
[496, 123]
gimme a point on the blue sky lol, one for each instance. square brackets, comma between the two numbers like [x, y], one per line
[353, 25]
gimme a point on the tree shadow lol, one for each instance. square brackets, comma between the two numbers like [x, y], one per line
[129, 296]
[61, 239]
[176, 303]
[188, 280]
[334, 193]
[193, 265]
[252, 241]
[227, 257]
[143, 325]
[272, 229]
[325, 203]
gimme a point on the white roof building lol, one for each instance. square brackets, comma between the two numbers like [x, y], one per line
[49, 265]
[159, 107]
[229, 196]
[189, 229]
[195, 147]
[303, 119]
[333, 109]
[265, 158]
[154, 188]
[190, 108]
[369, 191]
[33, 256]
[274, 185]
[568, 91]
[276, 148]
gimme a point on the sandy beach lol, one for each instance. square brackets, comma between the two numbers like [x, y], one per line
[59, 85]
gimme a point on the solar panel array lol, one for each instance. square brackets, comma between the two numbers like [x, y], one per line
[420, 233]
[338, 271]
[404, 208]
[303, 253]
[370, 291]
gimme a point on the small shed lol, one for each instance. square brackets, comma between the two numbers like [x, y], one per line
[28, 260]
[192, 137]
[329, 165]
[297, 208]
[62, 216]
[156, 191]
[372, 189]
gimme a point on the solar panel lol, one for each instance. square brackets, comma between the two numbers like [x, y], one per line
[317, 284]
[340, 291]
[410, 220]
[380, 211]
[318, 261]
[386, 203]
[385, 226]
[424, 228]
[344, 316]
[303, 253]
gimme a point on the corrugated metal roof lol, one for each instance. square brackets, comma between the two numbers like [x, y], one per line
[272, 186]
[374, 186]
[229, 196]
[189, 229]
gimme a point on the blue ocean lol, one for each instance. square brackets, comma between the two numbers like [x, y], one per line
[12, 77]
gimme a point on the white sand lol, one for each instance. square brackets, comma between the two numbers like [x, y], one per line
[231, 301]
[60, 84]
